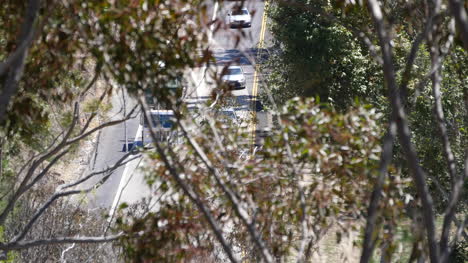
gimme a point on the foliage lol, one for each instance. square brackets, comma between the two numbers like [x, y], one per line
[319, 54]
[11, 256]
[96, 106]
[328, 157]
[176, 232]
[460, 253]
[316, 57]
[64, 218]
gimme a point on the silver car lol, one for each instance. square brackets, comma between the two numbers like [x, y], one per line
[239, 18]
[234, 77]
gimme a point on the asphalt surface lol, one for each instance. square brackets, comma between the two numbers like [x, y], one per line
[236, 46]
[110, 149]
[123, 185]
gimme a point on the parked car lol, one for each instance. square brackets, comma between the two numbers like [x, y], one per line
[234, 77]
[239, 17]
[163, 123]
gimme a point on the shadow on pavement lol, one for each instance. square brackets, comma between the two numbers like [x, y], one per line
[242, 102]
[249, 56]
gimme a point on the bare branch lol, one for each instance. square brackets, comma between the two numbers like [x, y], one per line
[42, 157]
[46, 169]
[436, 65]
[409, 63]
[62, 256]
[38, 213]
[440, 118]
[461, 231]
[60, 194]
[305, 239]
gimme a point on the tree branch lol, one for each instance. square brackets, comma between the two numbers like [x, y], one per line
[41, 158]
[46, 169]
[447, 149]
[107, 124]
[305, 239]
[59, 240]
[369, 243]
[241, 213]
[459, 12]
[122, 161]
[403, 129]
[186, 189]
[97, 72]
[94, 114]
[15, 63]
[38, 213]
[61, 193]
[35, 164]
[457, 189]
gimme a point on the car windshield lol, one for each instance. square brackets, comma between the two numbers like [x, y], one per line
[234, 71]
[227, 116]
[240, 12]
[164, 120]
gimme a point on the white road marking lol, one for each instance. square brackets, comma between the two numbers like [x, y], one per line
[123, 179]
[215, 10]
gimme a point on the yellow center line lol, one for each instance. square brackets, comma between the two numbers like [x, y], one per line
[255, 80]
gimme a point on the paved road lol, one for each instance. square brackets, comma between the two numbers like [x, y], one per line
[228, 50]
[127, 184]
[110, 150]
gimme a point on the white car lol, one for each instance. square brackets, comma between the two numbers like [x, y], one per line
[234, 77]
[239, 18]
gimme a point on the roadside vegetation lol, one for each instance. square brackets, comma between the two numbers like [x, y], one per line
[367, 148]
